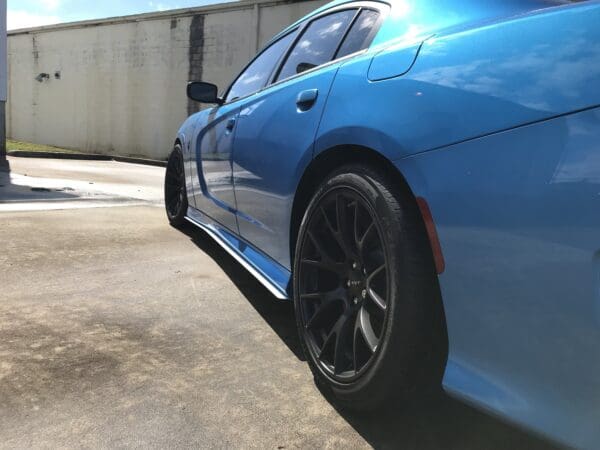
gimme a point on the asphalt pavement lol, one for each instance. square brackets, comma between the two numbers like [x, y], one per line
[119, 331]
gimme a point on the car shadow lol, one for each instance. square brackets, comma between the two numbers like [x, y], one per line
[278, 314]
[432, 422]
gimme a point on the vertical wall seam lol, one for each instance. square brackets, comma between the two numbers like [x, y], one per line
[195, 55]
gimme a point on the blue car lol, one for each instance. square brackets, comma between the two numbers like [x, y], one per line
[422, 178]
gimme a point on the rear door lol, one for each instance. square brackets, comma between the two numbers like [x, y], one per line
[276, 127]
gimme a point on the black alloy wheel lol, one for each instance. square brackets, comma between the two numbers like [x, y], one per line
[175, 193]
[366, 295]
[343, 284]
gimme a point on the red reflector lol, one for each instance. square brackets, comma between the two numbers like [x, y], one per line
[436, 248]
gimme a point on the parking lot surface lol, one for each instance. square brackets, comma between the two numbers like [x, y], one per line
[117, 330]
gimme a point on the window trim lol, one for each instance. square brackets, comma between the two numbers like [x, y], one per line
[307, 25]
[370, 36]
[380, 6]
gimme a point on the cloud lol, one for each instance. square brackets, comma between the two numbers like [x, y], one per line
[158, 6]
[22, 19]
[50, 5]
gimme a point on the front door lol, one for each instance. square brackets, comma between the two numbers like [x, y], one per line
[213, 147]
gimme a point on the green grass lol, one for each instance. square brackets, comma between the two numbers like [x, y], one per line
[29, 147]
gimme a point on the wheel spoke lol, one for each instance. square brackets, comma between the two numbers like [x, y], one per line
[355, 225]
[327, 266]
[340, 215]
[326, 297]
[323, 253]
[380, 302]
[377, 299]
[363, 325]
[361, 243]
[335, 233]
[338, 336]
[341, 344]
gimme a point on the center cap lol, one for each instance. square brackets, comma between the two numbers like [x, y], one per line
[355, 285]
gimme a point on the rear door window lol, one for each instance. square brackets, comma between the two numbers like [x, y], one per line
[318, 43]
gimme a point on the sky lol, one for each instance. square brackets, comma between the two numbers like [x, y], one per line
[32, 13]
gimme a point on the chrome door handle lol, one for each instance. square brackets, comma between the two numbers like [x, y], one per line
[306, 99]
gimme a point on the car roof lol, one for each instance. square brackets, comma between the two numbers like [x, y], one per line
[420, 17]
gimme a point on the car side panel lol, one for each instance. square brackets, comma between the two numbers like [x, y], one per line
[518, 217]
[273, 145]
[470, 84]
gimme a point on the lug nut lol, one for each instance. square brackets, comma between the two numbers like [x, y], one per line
[355, 301]
[364, 293]
[354, 265]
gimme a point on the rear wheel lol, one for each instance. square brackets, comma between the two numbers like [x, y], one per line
[365, 291]
[176, 202]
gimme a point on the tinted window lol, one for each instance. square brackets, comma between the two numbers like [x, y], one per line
[318, 43]
[361, 34]
[257, 74]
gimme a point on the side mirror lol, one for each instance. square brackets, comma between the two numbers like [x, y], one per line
[202, 92]
[304, 66]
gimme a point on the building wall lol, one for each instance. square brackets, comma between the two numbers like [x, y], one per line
[3, 75]
[117, 86]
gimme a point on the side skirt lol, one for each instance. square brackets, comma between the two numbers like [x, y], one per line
[268, 272]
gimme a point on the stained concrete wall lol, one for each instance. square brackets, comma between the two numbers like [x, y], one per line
[3, 75]
[117, 86]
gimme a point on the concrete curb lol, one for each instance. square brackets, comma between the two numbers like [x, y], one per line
[85, 156]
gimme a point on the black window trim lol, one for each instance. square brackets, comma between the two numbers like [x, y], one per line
[371, 34]
[308, 23]
[382, 7]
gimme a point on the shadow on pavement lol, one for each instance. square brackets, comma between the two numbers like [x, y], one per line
[278, 314]
[21, 192]
[435, 422]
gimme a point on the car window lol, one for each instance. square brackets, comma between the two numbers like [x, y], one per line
[318, 43]
[361, 34]
[256, 75]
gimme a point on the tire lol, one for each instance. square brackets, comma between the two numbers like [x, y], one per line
[371, 336]
[176, 202]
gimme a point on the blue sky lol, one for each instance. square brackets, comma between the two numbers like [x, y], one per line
[30, 13]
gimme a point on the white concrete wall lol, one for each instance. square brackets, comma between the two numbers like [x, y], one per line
[122, 81]
[3, 71]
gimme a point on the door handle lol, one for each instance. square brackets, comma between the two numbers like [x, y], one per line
[306, 99]
[230, 124]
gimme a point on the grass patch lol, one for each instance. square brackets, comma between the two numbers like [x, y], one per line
[29, 147]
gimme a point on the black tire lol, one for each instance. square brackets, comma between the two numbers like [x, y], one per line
[399, 342]
[176, 202]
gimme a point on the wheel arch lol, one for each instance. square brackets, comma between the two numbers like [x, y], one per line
[326, 162]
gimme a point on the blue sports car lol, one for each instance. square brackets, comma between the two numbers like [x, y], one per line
[422, 178]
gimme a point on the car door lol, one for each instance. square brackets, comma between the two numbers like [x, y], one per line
[213, 145]
[215, 137]
[276, 129]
